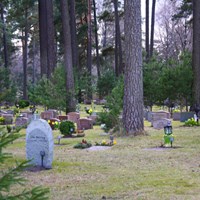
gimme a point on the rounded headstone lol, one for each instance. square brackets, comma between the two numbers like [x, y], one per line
[39, 143]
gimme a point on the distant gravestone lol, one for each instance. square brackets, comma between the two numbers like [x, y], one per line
[47, 115]
[8, 118]
[84, 124]
[21, 121]
[186, 115]
[73, 116]
[161, 123]
[39, 143]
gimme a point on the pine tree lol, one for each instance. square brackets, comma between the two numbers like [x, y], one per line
[12, 176]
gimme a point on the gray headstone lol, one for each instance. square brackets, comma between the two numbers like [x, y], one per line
[39, 139]
[161, 123]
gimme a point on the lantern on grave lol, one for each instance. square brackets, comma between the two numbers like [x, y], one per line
[168, 135]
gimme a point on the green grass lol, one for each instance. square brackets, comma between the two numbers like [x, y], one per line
[132, 169]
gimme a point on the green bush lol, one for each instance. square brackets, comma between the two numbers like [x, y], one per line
[23, 103]
[67, 128]
[2, 120]
[191, 122]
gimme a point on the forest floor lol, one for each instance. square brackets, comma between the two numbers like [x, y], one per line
[134, 168]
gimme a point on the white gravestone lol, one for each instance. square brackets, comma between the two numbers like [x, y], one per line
[39, 143]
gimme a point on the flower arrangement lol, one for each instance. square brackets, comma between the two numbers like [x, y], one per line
[54, 124]
[88, 110]
[83, 144]
[106, 143]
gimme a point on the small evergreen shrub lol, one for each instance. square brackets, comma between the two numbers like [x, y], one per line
[2, 120]
[191, 122]
[67, 128]
[23, 103]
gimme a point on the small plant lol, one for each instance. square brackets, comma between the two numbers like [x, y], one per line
[23, 103]
[9, 128]
[191, 122]
[16, 111]
[67, 128]
[83, 144]
[2, 120]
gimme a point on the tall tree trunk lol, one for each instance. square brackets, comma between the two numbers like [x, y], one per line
[89, 47]
[5, 45]
[118, 47]
[133, 82]
[152, 27]
[196, 52]
[75, 55]
[70, 100]
[25, 54]
[147, 31]
[47, 44]
[96, 40]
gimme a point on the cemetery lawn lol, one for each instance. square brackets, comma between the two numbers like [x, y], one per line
[134, 168]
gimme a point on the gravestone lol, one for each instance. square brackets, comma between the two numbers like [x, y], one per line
[186, 115]
[73, 117]
[21, 121]
[176, 116]
[93, 117]
[161, 123]
[28, 115]
[39, 143]
[159, 115]
[84, 123]
[47, 115]
[8, 118]
[63, 117]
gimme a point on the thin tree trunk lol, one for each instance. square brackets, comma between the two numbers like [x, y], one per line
[89, 47]
[96, 40]
[68, 63]
[196, 52]
[5, 47]
[118, 46]
[75, 55]
[133, 82]
[25, 54]
[147, 31]
[43, 38]
[152, 27]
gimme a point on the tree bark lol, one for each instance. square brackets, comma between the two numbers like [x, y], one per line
[75, 55]
[68, 63]
[196, 52]
[152, 27]
[47, 43]
[5, 45]
[96, 40]
[118, 47]
[133, 82]
[147, 31]
[25, 54]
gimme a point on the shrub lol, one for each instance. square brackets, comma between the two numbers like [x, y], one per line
[23, 103]
[67, 128]
[191, 122]
[2, 120]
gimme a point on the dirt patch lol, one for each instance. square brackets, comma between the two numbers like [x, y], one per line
[35, 169]
[98, 148]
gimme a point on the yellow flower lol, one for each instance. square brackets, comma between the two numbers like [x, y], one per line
[49, 121]
[114, 142]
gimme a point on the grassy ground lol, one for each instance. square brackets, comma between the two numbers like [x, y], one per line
[135, 168]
